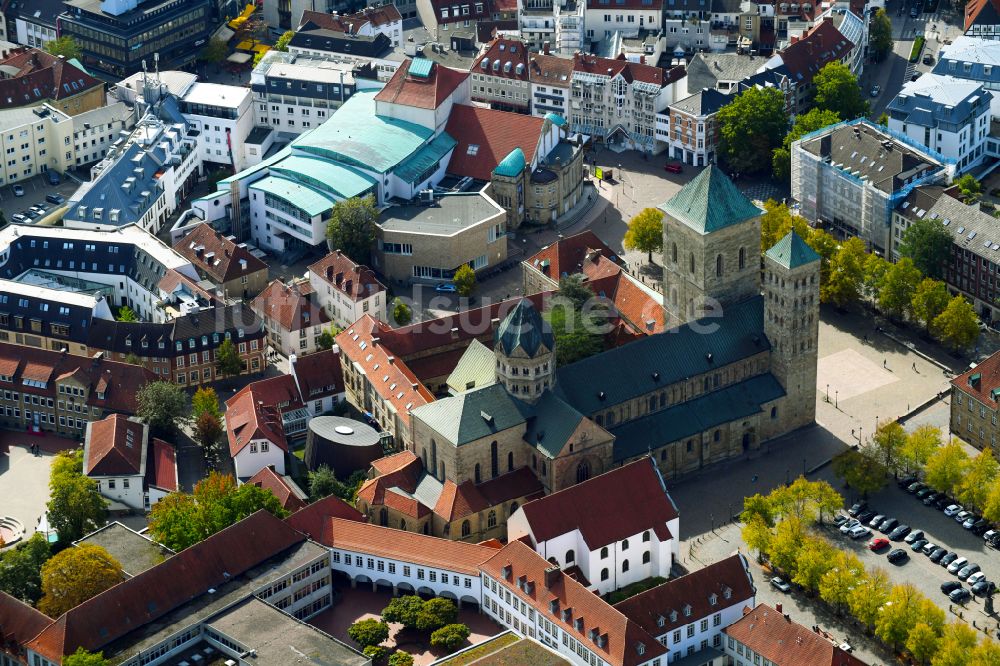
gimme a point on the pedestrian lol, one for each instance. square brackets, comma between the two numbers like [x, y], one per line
[914, 366]
[883, 363]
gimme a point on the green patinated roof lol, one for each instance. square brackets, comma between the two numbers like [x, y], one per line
[355, 135]
[477, 366]
[792, 252]
[512, 165]
[470, 416]
[524, 328]
[555, 119]
[553, 423]
[710, 202]
[343, 181]
[414, 169]
[635, 438]
[627, 372]
[309, 199]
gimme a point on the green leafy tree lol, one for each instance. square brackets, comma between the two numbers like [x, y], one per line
[805, 500]
[928, 243]
[898, 288]
[837, 90]
[133, 359]
[805, 123]
[75, 575]
[825, 246]
[465, 280]
[859, 471]
[21, 568]
[368, 632]
[946, 467]
[75, 505]
[758, 506]
[450, 637]
[436, 613]
[127, 314]
[750, 128]
[401, 313]
[846, 275]
[958, 325]
[919, 447]
[351, 227]
[327, 338]
[376, 653]
[208, 431]
[322, 483]
[815, 559]
[992, 510]
[576, 335]
[775, 223]
[987, 653]
[83, 658]
[970, 188]
[758, 536]
[889, 440]
[974, 488]
[227, 359]
[955, 648]
[883, 120]
[572, 287]
[282, 43]
[880, 34]
[899, 615]
[205, 401]
[786, 545]
[922, 642]
[400, 659]
[875, 269]
[929, 300]
[868, 596]
[163, 405]
[64, 46]
[836, 584]
[249, 28]
[214, 52]
[404, 610]
[645, 232]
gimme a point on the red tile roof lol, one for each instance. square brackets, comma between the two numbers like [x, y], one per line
[616, 505]
[693, 592]
[456, 502]
[821, 45]
[974, 8]
[550, 70]
[630, 71]
[775, 637]
[639, 307]
[114, 447]
[394, 462]
[161, 466]
[496, 133]
[291, 499]
[350, 279]
[19, 623]
[216, 255]
[509, 52]
[421, 92]
[41, 77]
[406, 546]
[292, 307]
[981, 381]
[318, 375]
[604, 630]
[150, 595]
[313, 519]
[574, 254]
[402, 470]
[247, 419]
[279, 392]
[350, 23]
[173, 279]
[522, 482]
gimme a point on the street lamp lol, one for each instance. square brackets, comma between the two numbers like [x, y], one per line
[828, 393]
[836, 399]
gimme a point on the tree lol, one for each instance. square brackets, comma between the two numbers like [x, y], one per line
[208, 431]
[404, 610]
[75, 575]
[576, 336]
[890, 438]
[127, 314]
[775, 223]
[571, 287]
[465, 280]
[21, 568]
[837, 90]
[645, 233]
[751, 127]
[436, 613]
[322, 483]
[805, 123]
[214, 52]
[929, 300]
[376, 653]
[758, 506]
[64, 46]
[868, 596]
[825, 245]
[836, 584]
[227, 359]
[786, 545]
[957, 642]
[992, 510]
[282, 43]
[401, 313]
[327, 338]
[83, 658]
[846, 275]
[805, 500]
[351, 227]
[205, 400]
[400, 659]
[958, 325]
[815, 559]
[928, 243]
[859, 471]
[450, 637]
[919, 447]
[163, 405]
[899, 615]
[898, 288]
[922, 642]
[875, 269]
[946, 467]
[987, 653]
[758, 536]
[970, 188]
[75, 505]
[880, 34]
[368, 632]
[249, 28]
[974, 488]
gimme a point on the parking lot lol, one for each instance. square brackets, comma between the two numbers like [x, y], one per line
[35, 191]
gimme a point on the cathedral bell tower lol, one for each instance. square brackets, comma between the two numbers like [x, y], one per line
[525, 353]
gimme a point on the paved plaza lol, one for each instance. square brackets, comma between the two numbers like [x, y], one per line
[24, 485]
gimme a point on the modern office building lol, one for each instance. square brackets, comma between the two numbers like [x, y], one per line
[223, 116]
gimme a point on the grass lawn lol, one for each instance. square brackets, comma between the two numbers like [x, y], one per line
[483, 649]
[634, 589]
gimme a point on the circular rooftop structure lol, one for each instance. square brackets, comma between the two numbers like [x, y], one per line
[343, 444]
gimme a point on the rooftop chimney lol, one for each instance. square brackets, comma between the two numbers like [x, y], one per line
[552, 575]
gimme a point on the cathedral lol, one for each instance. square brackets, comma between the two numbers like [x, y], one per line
[735, 367]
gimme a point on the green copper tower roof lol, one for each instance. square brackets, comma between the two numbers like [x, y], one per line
[792, 252]
[512, 165]
[524, 328]
[710, 202]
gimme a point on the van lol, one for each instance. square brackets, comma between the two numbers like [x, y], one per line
[53, 177]
[56, 199]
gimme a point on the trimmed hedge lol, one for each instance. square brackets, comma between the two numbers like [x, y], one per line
[918, 46]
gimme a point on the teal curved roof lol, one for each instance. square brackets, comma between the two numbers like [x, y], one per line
[512, 165]
[792, 252]
[710, 202]
[524, 328]
[555, 119]
[342, 181]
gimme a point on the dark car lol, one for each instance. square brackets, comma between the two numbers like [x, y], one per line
[840, 519]
[928, 59]
[968, 570]
[948, 559]
[918, 545]
[931, 499]
[906, 481]
[897, 556]
[673, 167]
[56, 199]
[888, 525]
[943, 502]
[866, 516]
[984, 588]
[950, 586]
[915, 486]
[924, 492]
[900, 532]
[980, 527]
[937, 554]
[53, 177]
[960, 596]
[857, 508]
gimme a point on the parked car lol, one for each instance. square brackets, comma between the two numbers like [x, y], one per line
[990, 534]
[914, 536]
[960, 596]
[980, 527]
[900, 532]
[30, 214]
[924, 492]
[928, 59]
[56, 199]
[984, 588]
[932, 498]
[780, 583]
[914, 13]
[970, 521]
[38, 210]
[906, 481]
[952, 509]
[53, 177]
[18, 191]
[915, 486]
[943, 502]
[888, 525]
[673, 167]
[968, 570]
[849, 525]
[876, 89]
[918, 545]
[950, 586]
[446, 288]
[840, 519]
[897, 556]
[956, 565]
[20, 217]
[937, 555]
[877, 520]
[975, 578]
[866, 516]
[929, 548]
[961, 516]
[859, 531]
[878, 544]
[948, 559]
[857, 508]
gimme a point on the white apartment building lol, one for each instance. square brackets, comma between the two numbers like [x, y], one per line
[95, 131]
[224, 116]
[347, 291]
[603, 18]
[114, 455]
[34, 140]
[550, 78]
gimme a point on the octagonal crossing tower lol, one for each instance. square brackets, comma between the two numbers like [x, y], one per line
[791, 323]
[711, 245]
[526, 352]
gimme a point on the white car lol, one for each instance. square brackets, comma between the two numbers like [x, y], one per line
[928, 548]
[849, 525]
[961, 516]
[955, 566]
[952, 510]
[859, 531]
[781, 584]
[976, 577]
[988, 534]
